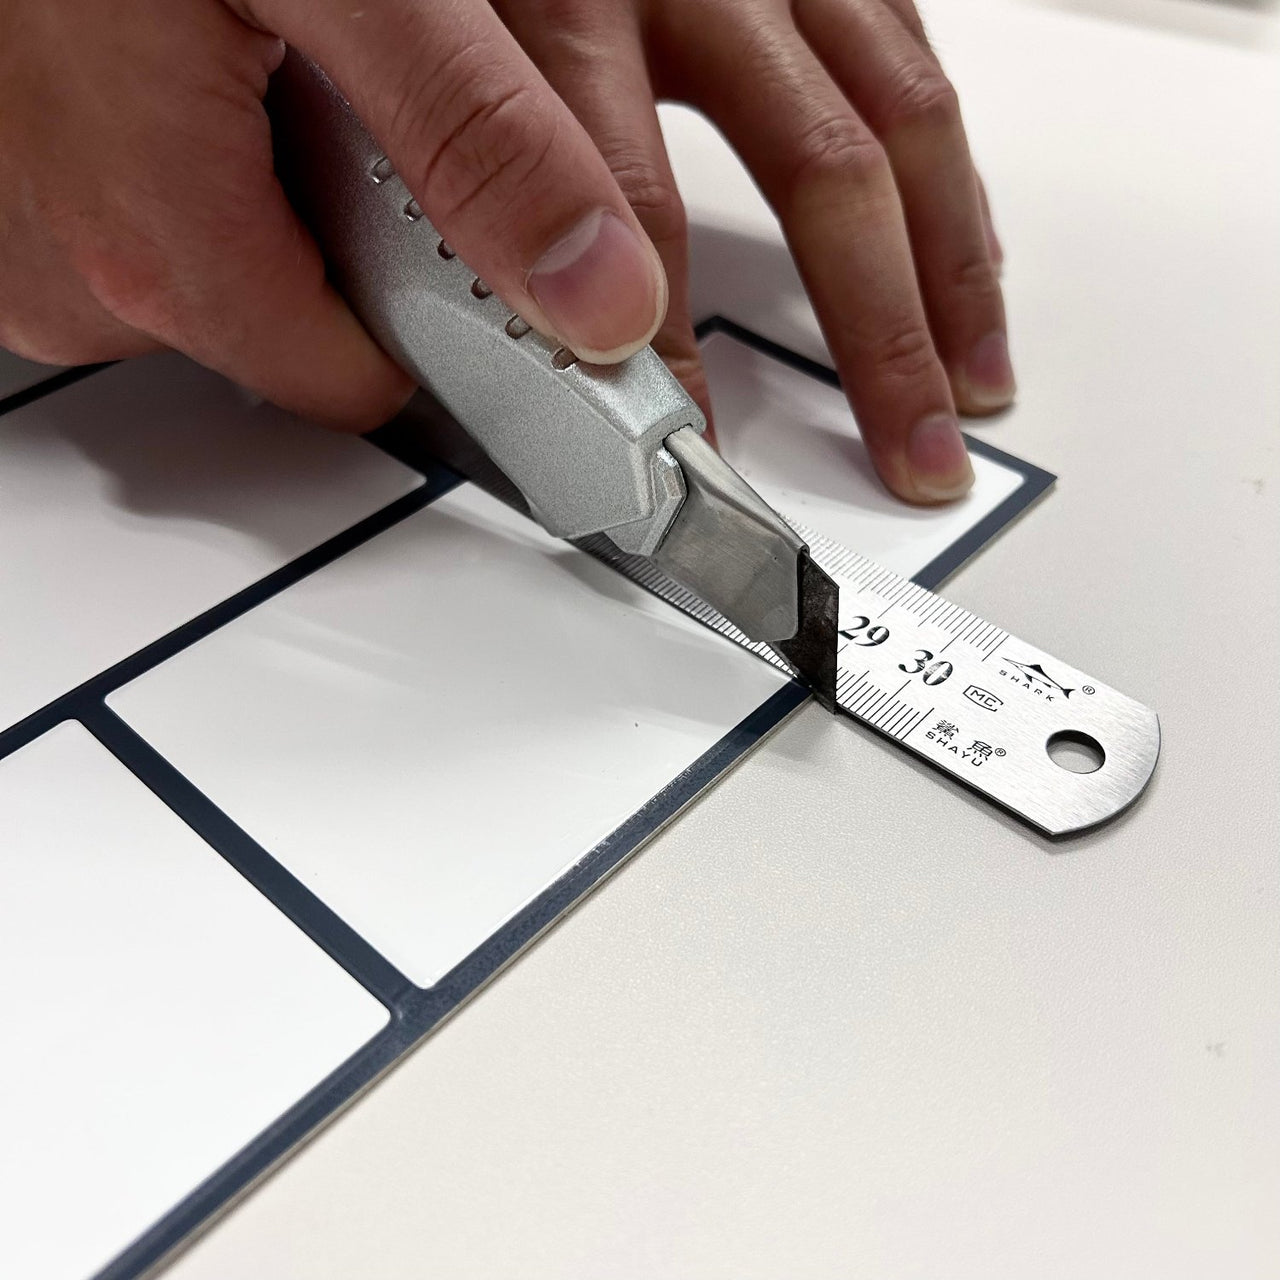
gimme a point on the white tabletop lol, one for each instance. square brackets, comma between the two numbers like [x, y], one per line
[841, 1019]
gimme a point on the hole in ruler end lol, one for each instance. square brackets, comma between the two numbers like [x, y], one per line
[1075, 751]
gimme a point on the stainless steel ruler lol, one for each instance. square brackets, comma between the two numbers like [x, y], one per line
[996, 713]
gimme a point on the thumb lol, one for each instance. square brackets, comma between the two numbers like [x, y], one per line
[496, 160]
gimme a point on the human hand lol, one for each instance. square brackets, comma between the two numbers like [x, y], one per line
[161, 223]
[847, 122]
[139, 207]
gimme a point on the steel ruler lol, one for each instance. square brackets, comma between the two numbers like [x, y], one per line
[994, 712]
[962, 694]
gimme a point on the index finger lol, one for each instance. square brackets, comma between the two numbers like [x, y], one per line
[499, 164]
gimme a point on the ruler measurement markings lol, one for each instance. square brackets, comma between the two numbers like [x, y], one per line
[916, 594]
[948, 616]
[898, 593]
[934, 609]
[867, 690]
[973, 629]
[900, 719]
[859, 566]
[915, 724]
[863, 698]
[904, 714]
[901, 730]
[851, 681]
[878, 719]
[886, 712]
[874, 707]
[872, 699]
[928, 608]
[980, 633]
[867, 697]
[892, 714]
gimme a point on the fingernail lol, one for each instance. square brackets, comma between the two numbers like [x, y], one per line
[988, 374]
[602, 288]
[938, 460]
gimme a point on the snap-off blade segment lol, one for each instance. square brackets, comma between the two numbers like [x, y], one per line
[960, 693]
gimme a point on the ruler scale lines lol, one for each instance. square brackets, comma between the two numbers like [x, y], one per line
[890, 715]
[919, 720]
[988, 724]
[870, 696]
[881, 717]
[900, 719]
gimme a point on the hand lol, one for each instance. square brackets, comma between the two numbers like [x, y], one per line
[140, 208]
[845, 119]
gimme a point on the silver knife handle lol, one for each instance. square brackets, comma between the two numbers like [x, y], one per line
[583, 444]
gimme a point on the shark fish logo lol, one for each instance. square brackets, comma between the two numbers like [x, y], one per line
[1037, 675]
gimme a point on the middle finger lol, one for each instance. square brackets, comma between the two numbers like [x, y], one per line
[897, 84]
[831, 185]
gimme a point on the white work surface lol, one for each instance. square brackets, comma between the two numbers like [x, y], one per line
[841, 1019]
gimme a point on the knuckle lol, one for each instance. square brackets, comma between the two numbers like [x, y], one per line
[558, 16]
[974, 280]
[837, 149]
[478, 133]
[653, 195]
[903, 355]
[922, 96]
[133, 285]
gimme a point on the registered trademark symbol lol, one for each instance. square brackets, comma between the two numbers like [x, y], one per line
[1000, 751]
[1088, 688]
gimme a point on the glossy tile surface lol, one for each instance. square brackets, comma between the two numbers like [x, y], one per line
[137, 498]
[158, 1010]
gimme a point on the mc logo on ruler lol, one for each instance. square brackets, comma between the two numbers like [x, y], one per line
[983, 698]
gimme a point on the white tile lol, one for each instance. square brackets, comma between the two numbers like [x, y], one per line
[135, 499]
[795, 440]
[430, 730]
[158, 1011]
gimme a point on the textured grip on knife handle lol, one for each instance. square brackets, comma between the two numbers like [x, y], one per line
[584, 444]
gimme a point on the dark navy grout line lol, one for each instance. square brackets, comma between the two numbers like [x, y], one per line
[598, 862]
[420, 1009]
[415, 1011]
[98, 687]
[291, 897]
[267, 1149]
[46, 386]
[1036, 482]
